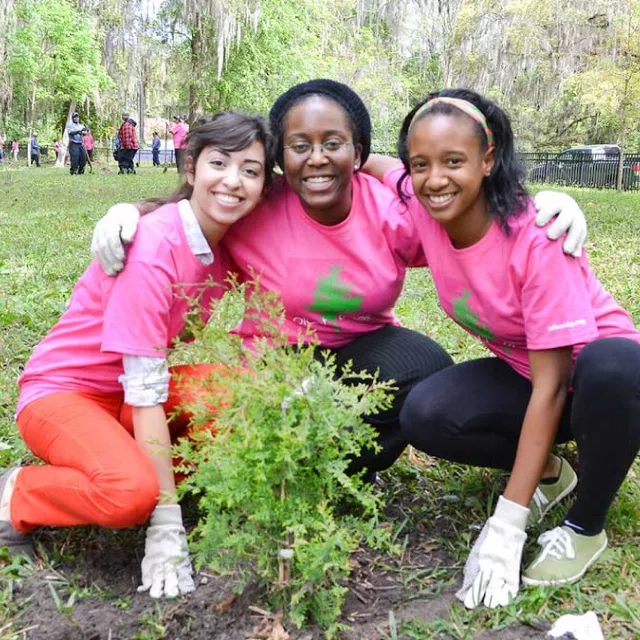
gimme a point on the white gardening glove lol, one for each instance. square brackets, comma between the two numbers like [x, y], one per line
[570, 219]
[111, 233]
[166, 568]
[492, 571]
[471, 567]
[302, 390]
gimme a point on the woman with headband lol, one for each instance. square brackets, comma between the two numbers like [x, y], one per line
[565, 357]
[333, 243]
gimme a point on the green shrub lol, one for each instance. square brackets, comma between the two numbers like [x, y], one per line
[275, 500]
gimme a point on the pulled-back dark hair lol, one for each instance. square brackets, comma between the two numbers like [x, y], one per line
[343, 95]
[504, 190]
[228, 131]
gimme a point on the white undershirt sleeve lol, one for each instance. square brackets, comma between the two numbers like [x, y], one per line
[145, 380]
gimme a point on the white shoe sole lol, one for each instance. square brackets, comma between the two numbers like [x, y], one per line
[532, 582]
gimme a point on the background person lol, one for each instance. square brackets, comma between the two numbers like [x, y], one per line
[344, 245]
[56, 149]
[35, 149]
[15, 148]
[77, 155]
[179, 130]
[128, 139]
[88, 142]
[96, 391]
[155, 149]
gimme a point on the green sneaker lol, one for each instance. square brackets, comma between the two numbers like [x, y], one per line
[548, 496]
[564, 558]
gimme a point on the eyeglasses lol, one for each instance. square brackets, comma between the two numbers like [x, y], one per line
[327, 148]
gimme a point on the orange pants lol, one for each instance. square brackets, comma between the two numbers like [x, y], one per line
[96, 473]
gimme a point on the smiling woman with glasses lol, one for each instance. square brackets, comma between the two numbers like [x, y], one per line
[335, 245]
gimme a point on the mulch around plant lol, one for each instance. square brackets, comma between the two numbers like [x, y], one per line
[417, 585]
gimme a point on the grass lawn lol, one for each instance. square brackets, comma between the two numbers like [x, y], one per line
[46, 219]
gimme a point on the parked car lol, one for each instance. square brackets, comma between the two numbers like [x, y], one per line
[588, 166]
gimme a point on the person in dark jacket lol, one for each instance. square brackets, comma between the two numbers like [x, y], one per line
[155, 149]
[35, 150]
[77, 152]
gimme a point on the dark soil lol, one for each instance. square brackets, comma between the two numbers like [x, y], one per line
[419, 585]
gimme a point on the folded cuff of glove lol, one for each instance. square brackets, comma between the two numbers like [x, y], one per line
[511, 512]
[121, 211]
[166, 514]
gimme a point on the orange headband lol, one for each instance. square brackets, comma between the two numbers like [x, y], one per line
[463, 105]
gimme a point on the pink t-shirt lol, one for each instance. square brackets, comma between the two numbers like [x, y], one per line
[338, 281]
[15, 145]
[179, 131]
[88, 141]
[139, 312]
[519, 292]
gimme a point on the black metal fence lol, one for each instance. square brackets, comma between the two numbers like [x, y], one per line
[143, 156]
[574, 167]
[46, 153]
[579, 169]
[101, 155]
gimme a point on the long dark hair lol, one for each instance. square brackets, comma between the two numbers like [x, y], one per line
[504, 190]
[229, 131]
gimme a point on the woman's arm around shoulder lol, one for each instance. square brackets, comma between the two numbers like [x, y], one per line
[115, 229]
[378, 165]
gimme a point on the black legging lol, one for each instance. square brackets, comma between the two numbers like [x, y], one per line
[398, 354]
[473, 412]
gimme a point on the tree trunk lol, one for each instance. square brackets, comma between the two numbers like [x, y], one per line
[622, 138]
[621, 143]
[64, 141]
[142, 99]
[32, 122]
[195, 108]
[6, 89]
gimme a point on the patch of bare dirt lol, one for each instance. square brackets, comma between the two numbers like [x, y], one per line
[418, 585]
